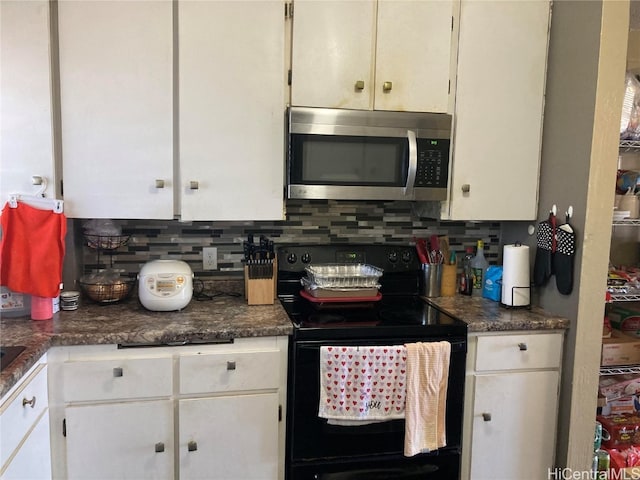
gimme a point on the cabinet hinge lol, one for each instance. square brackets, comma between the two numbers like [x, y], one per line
[279, 413]
[64, 427]
[61, 187]
[449, 87]
[288, 10]
[289, 77]
[452, 20]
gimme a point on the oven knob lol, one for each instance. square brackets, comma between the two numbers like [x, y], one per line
[292, 258]
[306, 258]
[406, 256]
[393, 256]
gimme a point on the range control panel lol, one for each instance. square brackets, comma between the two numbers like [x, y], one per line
[390, 258]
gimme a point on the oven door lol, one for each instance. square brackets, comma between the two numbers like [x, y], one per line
[311, 437]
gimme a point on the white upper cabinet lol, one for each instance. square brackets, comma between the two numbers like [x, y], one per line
[116, 89]
[384, 55]
[26, 114]
[231, 107]
[497, 135]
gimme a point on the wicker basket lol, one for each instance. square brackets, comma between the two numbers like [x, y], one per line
[112, 292]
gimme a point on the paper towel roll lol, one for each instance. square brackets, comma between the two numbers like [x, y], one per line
[516, 283]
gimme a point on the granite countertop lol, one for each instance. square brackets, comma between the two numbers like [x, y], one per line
[484, 315]
[222, 317]
[129, 322]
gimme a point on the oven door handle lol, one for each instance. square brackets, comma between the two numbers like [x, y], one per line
[413, 164]
[457, 345]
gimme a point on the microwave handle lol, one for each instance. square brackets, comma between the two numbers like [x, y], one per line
[413, 163]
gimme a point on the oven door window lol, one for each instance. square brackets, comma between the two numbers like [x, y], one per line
[349, 160]
[312, 437]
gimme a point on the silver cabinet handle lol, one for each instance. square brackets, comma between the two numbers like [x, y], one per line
[466, 188]
[117, 372]
[31, 403]
[159, 447]
[486, 417]
[231, 365]
[192, 446]
[387, 86]
[159, 183]
[522, 347]
[359, 85]
[193, 185]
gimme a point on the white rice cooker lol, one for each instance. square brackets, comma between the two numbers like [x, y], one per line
[165, 285]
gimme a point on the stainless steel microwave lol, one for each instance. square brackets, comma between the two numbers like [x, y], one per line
[367, 155]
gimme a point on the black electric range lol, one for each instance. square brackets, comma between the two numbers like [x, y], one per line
[400, 311]
[316, 450]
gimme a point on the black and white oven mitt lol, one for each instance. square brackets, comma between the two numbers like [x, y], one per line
[546, 245]
[563, 258]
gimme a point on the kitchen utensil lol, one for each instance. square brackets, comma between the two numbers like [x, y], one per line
[421, 249]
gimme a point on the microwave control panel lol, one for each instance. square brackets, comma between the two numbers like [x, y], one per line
[433, 163]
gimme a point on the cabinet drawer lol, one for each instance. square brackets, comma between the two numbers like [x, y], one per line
[21, 411]
[223, 372]
[117, 379]
[513, 352]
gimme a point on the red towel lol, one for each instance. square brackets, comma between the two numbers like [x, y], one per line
[32, 250]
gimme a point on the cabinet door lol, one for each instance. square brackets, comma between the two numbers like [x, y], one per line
[33, 459]
[125, 440]
[499, 105]
[413, 54]
[518, 441]
[229, 437]
[26, 130]
[333, 47]
[116, 76]
[231, 109]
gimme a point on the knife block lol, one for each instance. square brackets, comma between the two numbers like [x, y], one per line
[260, 291]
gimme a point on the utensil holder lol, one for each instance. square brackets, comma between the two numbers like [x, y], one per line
[449, 281]
[260, 281]
[431, 279]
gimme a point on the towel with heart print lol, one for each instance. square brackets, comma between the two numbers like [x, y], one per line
[362, 383]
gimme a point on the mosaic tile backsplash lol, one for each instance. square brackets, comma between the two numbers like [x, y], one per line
[308, 222]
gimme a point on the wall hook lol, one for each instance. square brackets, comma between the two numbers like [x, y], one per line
[569, 213]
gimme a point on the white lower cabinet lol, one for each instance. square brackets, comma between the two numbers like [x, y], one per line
[24, 428]
[121, 440]
[511, 405]
[242, 426]
[170, 412]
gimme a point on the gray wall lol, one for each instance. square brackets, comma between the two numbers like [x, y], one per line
[582, 114]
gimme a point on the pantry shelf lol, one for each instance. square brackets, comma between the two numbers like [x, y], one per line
[629, 145]
[620, 370]
[626, 222]
[624, 297]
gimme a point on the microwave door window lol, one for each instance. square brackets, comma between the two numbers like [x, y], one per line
[354, 161]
